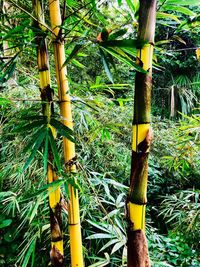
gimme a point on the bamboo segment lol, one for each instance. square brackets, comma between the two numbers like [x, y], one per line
[69, 147]
[141, 140]
[139, 134]
[47, 108]
[137, 215]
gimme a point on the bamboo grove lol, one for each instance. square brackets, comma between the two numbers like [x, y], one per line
[141, 136]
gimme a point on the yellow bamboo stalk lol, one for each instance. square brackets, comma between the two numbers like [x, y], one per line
[69, 147]
[139, 134]
[46, 96]
[141, 140]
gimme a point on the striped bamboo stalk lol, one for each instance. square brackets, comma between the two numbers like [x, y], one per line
[56, 253]
[141, 140]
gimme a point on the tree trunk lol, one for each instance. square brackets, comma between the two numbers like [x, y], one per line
[142, 138]
[56, 253]
[69, 147]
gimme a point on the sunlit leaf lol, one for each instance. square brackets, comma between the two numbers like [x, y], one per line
[180, 9]
[162, 15]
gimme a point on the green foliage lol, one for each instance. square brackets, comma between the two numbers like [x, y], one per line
[102, 100]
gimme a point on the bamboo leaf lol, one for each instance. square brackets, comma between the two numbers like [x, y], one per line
[45, 156]
[32, 117]
[131, 6]
[54, 185]
[127, 61]
[63, 129]
[54, 151]
[29, 126]
[95, 236]
[117, 34]
[181, 9]
[5, 223]
[4, 101]
[106, 65]
[125, 43]
[130, 51]
[33, 211]
[117, 246]
[162, 15]
[77, 63]
[37, 144]
[28, 253]
[119, 2]
[74, 52]
[33, 138]
[108, 244]
[102, 262]
[184, 2]
[99, 226]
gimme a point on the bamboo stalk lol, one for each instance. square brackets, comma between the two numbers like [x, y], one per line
[69, 147]
[141, 140]
[56, 253]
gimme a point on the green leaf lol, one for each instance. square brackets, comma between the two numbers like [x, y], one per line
[130, 51]
[30, 250]
[34, 210]
[77, 63]
[127, 60]
[181, 9]
[54, 185]
[5, 223]
[117, 34]
[126, 43]
[46, 154]
[37, 144]
[4, 101]
[119, 2]
[29, 126]
[74, 52]
[33, 138]
[184, 2]
[99, 226]
[63, 130]
[162, 15]
[131, 6]
[54, 151]
[113, 86]
[102, 262]
[117, 246]
[109, 243]
[96, 236]
[32, 117]
[106, 65]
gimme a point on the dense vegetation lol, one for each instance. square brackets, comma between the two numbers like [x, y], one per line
[101, 80]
